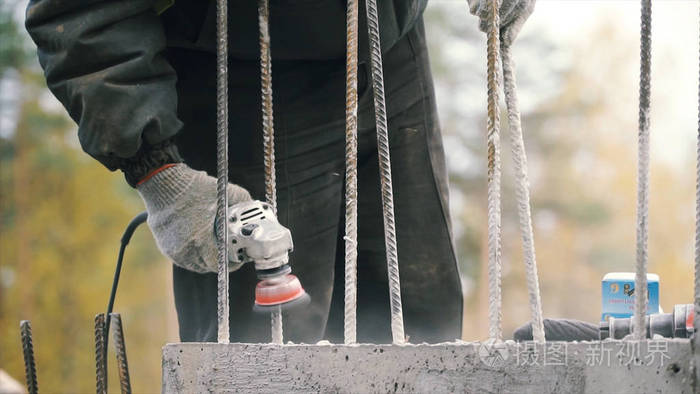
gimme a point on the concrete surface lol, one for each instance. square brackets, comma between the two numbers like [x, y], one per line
[575, 367]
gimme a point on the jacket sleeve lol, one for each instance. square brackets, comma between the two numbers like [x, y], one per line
[104, 60]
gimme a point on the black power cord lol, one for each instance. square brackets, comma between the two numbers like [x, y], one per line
[135, 222]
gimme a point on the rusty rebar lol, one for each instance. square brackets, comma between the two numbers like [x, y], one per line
[267, 110]
[100, 353]
[120, 349]
[268, 127]
[25, 329]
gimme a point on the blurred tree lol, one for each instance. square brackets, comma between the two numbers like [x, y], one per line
[580, 125]
[61, 218]
[458, 55]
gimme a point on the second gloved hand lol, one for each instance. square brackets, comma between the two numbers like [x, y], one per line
[512, 13]
[181, 205]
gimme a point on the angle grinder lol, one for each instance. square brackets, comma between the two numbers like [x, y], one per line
[256, 236]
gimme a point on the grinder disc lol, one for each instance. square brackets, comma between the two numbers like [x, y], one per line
[285, 292]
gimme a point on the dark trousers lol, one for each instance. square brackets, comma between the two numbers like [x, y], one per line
[309, 137]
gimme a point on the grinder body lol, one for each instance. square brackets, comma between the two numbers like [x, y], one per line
[255, 235]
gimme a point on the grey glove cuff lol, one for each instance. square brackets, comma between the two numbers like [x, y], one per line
[166, 186]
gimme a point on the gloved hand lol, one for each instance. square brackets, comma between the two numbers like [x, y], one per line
[181, 205]
[513, 14]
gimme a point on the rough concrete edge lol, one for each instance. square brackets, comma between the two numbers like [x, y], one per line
[439, 344]
[471, 348]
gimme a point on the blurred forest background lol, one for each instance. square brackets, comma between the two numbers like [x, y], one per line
[62, 214]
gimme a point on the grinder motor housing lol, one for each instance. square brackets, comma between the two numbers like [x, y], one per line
[255, 235]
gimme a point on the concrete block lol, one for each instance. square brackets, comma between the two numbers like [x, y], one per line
[566, 367]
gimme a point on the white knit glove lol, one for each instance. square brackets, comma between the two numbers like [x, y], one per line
[513, 14]
[181, 205]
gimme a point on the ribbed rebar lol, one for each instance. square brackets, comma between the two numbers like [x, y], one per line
[392, 259]
[350, 328]
[25, 329]
[267, 111]
[494, 172]
[640, 281]
[120, 349]
[697, 218]
[222, 167]
[100, 352]
[276, 326]
[522, 192]
[268, 135]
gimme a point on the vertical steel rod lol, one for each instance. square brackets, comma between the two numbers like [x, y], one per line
[276, 326]
[100, 352]
[640, 281]
[494, 173]
[350, 325]
[268, 136]
[222, 167]
[267, 110]
[522, 192]
[25, 329]
[120, 349]
[392, 258]
[697, 231]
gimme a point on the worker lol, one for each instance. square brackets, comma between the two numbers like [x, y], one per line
[139, 79]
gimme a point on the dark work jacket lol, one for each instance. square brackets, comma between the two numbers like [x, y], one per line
[104, 60]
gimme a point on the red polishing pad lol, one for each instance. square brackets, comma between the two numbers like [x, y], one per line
[277, 291]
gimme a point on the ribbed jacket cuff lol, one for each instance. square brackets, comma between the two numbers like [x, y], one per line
[147, 159]
[166, 186]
